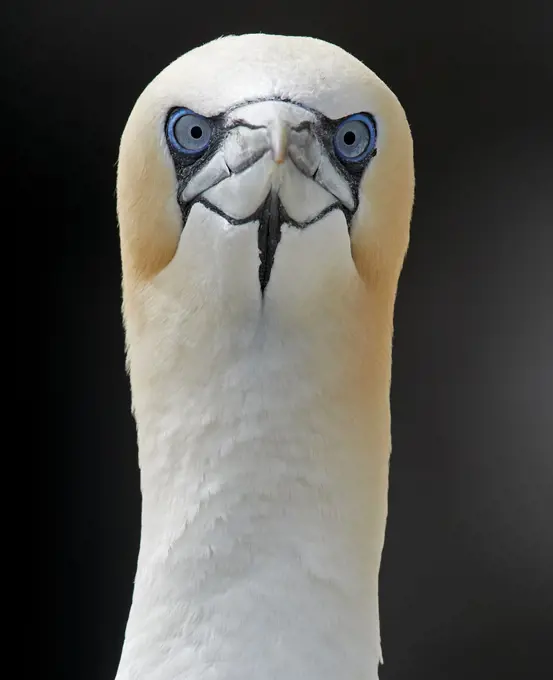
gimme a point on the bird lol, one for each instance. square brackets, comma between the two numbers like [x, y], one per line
[265, 187]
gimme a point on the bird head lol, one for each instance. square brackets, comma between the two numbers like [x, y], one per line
[261, 173]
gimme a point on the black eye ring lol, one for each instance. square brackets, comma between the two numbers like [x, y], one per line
[355, 138]
[188, 132]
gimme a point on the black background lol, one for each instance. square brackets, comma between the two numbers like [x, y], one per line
[467, 575]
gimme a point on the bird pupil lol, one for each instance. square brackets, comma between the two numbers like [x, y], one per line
[349, 138]
[196, 132]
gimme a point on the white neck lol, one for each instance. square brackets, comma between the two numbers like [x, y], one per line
[264, 486]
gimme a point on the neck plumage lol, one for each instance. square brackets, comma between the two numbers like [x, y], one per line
[264, 468]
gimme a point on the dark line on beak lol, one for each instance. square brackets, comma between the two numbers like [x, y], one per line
[268, 238]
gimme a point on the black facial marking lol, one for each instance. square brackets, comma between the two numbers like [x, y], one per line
[268, 236]
[258, 214]
[238, 122]
[271, 215]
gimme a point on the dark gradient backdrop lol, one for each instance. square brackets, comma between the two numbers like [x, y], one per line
[467, 576]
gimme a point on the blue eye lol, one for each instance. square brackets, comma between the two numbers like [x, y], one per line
[188, 132]
[355, 138]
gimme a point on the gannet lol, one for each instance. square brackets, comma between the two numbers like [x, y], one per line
[264, 192]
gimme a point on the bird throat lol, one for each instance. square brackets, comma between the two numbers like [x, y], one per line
[270, 229]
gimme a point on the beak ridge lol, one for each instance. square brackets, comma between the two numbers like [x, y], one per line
[278, 133]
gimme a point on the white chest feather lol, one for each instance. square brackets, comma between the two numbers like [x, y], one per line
[264, 464]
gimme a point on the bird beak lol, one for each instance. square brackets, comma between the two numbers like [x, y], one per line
[270, 167]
